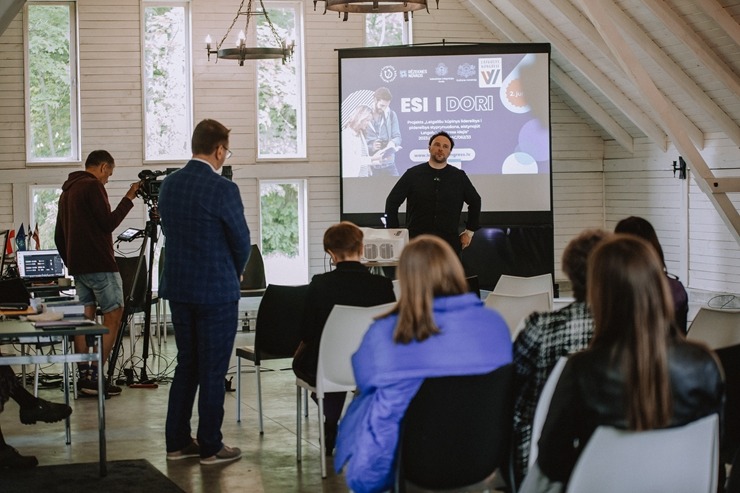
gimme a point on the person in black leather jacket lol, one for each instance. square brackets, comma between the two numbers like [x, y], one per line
[639, 373]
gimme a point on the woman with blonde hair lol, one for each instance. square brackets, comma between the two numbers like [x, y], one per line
[356, 160]
[436, 329]
[639, 373]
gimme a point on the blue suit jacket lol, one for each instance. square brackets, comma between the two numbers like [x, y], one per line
[207, 237]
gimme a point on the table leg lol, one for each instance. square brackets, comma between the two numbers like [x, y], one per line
[101, 409]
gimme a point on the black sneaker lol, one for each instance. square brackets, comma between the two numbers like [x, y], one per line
[43, 410]
[111, 390]
[86, 384]
[89, 386]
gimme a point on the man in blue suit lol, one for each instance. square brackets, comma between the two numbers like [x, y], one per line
[208, 246]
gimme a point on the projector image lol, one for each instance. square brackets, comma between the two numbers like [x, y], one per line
[383, 245]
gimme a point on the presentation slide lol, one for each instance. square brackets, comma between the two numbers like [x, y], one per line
[493, 99]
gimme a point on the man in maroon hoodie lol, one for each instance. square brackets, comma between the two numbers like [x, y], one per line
[84, 226]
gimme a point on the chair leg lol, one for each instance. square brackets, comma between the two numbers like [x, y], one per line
[36, 382]
[259, 396]
[298, 422]
[305, 403]
[238, 389]
[322, 436]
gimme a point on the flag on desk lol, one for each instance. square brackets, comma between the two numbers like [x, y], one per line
[35, 237]
[20, 239]
[9, 242]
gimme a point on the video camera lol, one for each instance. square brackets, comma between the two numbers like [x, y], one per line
[150, 183]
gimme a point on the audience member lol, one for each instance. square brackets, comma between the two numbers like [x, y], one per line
[32, 409]
[639, 373]
[642, 228]
[545, 338]
[207, 248]
[349, 284]
[436, 329]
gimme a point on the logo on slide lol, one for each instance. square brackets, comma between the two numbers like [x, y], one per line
[388, 73]
[489, 72]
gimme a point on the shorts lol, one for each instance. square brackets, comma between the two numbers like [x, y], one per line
[103, 288]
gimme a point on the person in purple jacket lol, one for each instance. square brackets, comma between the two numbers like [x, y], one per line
[436, 329]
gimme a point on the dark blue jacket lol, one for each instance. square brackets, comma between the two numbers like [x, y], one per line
[207, 238]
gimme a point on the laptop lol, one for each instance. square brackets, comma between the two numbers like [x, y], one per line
[13, 294]
[40, 265]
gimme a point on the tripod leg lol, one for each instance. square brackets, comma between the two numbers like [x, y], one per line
[117, 347]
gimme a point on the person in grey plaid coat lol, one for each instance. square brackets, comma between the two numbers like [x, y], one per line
[545, 338]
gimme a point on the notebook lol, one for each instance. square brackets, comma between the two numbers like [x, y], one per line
[14, 294]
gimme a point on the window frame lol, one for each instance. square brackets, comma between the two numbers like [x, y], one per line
[32, 189]
[408, 29]
[74, 71]
[299, 59]
[188, 35]
[303, 229]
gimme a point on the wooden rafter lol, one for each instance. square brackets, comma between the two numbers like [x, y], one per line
[600, 12]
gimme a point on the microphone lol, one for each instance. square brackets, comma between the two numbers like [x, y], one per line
[437, 179]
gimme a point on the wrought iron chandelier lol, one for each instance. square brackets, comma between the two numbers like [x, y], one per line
[374, 7]
[242, 52]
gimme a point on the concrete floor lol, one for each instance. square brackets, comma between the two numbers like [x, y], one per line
[135, 423]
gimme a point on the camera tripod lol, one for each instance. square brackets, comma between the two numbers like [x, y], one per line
[150, 240]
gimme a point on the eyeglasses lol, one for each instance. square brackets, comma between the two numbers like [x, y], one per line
[228, 152]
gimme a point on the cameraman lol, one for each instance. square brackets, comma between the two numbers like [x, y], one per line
[84, 226]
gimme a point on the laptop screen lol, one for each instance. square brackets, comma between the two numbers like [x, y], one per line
[34, 265]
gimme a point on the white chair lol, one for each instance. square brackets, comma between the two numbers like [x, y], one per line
[543, 406]
[679, 460]
[396, 288]
[515, 308]
[515, 285]
[342, 335]
[717, 328]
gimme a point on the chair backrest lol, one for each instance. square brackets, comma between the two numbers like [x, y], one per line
[516, 285]
[679, 460]
[473, 285]
[279, 321]
[717, 328]
[456, 430]
[515, 308]
[342, 335]
[472, 281]
[133, 300]
[396, 288]
[254, 272]
[543, 406]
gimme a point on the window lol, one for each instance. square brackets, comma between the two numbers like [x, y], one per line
[280, 86]
[44, 206]
[283, 226]
[167, 94]
[52, 126]
[387, 29]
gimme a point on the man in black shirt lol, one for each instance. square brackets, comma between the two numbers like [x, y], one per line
[435, 193]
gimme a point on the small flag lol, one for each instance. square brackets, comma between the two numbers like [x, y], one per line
[35, 237]
[9, 243]
[20, 239]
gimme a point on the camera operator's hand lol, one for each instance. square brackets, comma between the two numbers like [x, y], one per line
[131, 194]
